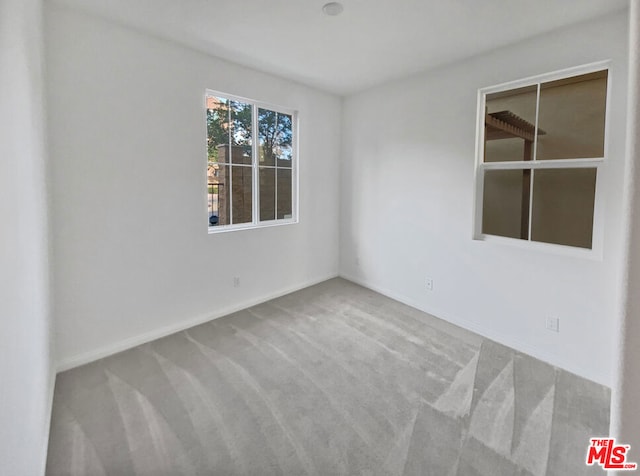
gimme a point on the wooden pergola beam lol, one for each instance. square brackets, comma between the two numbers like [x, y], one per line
[498, 129]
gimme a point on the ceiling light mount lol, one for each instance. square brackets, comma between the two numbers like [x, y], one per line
[332, 9]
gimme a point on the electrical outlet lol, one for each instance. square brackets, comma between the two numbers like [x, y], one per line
[236, 282]
[429, 284]
[553, 324]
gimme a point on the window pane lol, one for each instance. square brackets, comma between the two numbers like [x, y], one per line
[284, 145]
[505, 207]
[267, 194]
[572, 112]
[275, 136]
[284, 193]
[240, 201]
[228, 125]
[215, 190]
[219, 196]
[240, 132]
[563, 202]
[510, 125]
[242, 186]
[217, 128]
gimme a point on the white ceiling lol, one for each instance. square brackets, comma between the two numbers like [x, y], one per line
[371, 42]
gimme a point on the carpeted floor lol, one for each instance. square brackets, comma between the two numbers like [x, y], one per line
[331, 380]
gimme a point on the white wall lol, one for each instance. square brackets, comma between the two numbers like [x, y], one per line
[132, 255]
[26, 373]
[408, 200]
[625, 416]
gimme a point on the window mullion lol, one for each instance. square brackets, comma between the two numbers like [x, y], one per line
[275, 163]
[532, 177]
[254, 162]
[230, 162]
[544, 164]
[535, 131]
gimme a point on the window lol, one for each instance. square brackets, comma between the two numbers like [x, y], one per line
[541, 143]
[251, 166]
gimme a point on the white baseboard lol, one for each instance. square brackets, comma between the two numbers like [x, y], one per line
[486, 332]
[125, 344]
[534, 351]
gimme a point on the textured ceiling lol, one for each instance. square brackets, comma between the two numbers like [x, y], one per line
[372, 41]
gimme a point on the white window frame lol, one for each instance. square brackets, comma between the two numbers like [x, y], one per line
[598, 163]
[255, 192]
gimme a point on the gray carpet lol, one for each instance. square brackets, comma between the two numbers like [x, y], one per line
[331, 380]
